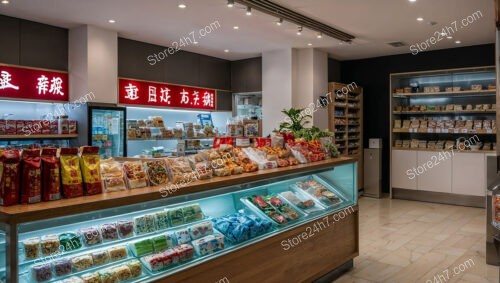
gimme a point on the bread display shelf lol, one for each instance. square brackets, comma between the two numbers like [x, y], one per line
[445, 131]
[450, 93]
[441, 150]
[444, 112]
[31, 137]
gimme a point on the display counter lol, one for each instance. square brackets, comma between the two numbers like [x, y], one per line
[241, 228]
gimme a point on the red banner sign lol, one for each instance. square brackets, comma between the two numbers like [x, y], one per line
[165, 95]
[33, 84]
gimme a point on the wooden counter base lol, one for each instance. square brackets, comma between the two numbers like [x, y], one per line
[438, 197]
[266, 261]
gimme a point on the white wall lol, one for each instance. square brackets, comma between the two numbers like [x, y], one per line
[320, 87]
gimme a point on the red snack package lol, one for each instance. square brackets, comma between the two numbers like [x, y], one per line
[31, 182]
[37, 127]
[10, 173]
[54, 127]
[260, 142]
[287, 137]
[3, 127]
[10, 127]
[51, 178]
[91, 170]
[20, 130]
[71, 175]
[45, 127]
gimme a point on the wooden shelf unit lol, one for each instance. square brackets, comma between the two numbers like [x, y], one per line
[348, 127]
[35, 137]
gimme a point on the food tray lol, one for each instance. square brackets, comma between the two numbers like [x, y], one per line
[302, 196]
[261, 213]
[324, 200]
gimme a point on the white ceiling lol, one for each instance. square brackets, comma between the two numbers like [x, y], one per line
[372, 22]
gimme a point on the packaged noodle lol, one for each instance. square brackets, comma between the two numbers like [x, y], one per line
[112, 175]
[10, 173]
[51, 179]
[71, 174]
[31, 181]
[91, 170]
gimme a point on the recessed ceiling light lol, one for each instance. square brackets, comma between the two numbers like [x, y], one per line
[182, 6]
[249, 11]
[230, 3]
[299, 31]
[226, 50]
[309, 44]
[412, 0]
[196, 42]
[449, 37]
[111, 21]
[458, 41]
[279, 22]
[443, 34]
[5, 2]
[420, 19]
[236, 27]
[319, 36]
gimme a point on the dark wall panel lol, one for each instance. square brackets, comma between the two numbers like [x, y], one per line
[373, 75]
[133, 60]
[183, 68]
[246, 75]
[333, 70]
[9, 41]
[215, 71]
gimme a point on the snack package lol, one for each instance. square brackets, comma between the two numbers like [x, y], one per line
[259, 158]
[91, 278]
[91, 236]
[71, 174]
[157, 172]
[201, 230]
[134, 172]
[239, 227]
[208, 244]
[122, 272]
[10, 173]
[125, 228]
[109, 231]
[117, 253]
[91, 170]
[41, 272]
[112, 175]
[141, 247]
[31, 185]
[62, 266]
[144, 224]
[51, 178]
[31, 248]
[135, 267]
[180, 171]
[70, 241]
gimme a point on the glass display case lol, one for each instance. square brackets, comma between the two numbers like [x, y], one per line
[145, 241]
[248, 105]
[108, 130]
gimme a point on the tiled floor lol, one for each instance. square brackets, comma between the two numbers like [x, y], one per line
[407, 241]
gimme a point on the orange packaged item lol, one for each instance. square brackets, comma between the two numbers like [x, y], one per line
[31, 185]
[51, 178]
[70, 173]
[90, 164]
[10, 173]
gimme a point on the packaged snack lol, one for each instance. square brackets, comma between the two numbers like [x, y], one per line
[31, 185]
[153, 262]
[91, 278]
[161, 220]
[70, 241]
[142, 247]
[185, 252]
[10, 127]
[100, 257]
[117, 253]
[136, 178]
[72, 279]
[91, 170]
[73, 128]
[112, 175]
[239, 227]
[62, 266]
[144, 224]
[201, 230]
[182, 236]
[122, 272]
[299, 202]
[51, 178]
[135, 267]
[71, 174]
[319, 191]
[91, 236]
[203, 171]
[160, 243]
[108, 275]
[81, 263]
[157, 172]
[10, 173]
[125, 228]
[109, 232]
[169, 257]
[176, 217]
[192, 213]
[208, 244]
[170, 239]
[49, 244]
[3, 125]
[31, 248]
[41, 272]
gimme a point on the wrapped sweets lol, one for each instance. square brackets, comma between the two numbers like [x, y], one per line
[71, 174]
[208, 244]
[161, 220]
[144, 224]
[10, 173]
[108, 275]
[91, 278]
[160, 243]
[82, 262]
[62, 266]
[49, 244]
[201, 230]
[136, 178]
[117, 253]
[153, 262]
[109, 232]
[176, 216]
[70, 241]
[72, 279]
[51, 179]
[122, 272]
[170, 239]
[239, 227]
[185, 252]
[182, 236]
[112, 175]
[125, 228]
[100, 257]
[31, 180]
[192, 213]
[157, 172]
[41, 272]
[90, 164]
[31, 248]
[142, 247]
[293, 198]
[135, 267]
[91, 236]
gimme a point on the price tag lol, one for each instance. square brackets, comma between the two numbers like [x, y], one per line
[464, 131]
[489, 131]
[430, 130]
[438, 130]
[455, 131]
[445, 131]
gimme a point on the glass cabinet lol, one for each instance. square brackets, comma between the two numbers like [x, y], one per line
[145, 241]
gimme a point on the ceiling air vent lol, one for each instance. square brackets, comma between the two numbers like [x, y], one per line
[396, 44]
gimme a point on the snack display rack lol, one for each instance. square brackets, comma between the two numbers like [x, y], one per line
[448, 112]
[196, 228]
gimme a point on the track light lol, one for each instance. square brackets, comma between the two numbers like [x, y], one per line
[299, 31]
[279, 22]
[249, 11]
[319, 36]
[230, 3]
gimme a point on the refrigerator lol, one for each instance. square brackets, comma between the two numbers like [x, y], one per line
[373, 169]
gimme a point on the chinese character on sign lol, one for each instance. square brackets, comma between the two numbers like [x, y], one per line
[185, 97]
[132, 92]
[152, 94]
[208, 99]
[5, 81]
[56, 86]
[165, 97]
[196, 98]
[42, 85]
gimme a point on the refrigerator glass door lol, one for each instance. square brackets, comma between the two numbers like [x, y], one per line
[108, 131]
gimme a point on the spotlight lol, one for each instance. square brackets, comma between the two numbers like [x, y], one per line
[319, 36]
[230, 3]
[249, 11]
[279, 22]
[299, 31]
